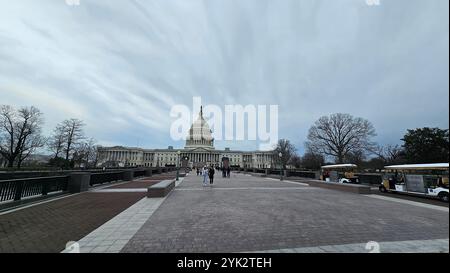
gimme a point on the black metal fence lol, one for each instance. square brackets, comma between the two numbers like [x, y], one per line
[289, 172]
[18, 174]
[18, 189]
[302, 174]
[23, 175]
[139, 173]
[101, 178]
[371, 179]
[277, 172]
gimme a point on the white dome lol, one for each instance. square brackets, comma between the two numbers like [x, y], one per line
[200, 134]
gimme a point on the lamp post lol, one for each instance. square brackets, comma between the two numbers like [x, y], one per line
[185, 159]
[178, 166]
[281, 166]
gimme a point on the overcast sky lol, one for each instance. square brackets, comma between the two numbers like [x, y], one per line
[120, 65]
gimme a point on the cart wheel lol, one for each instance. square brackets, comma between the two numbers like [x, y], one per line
[443, 196]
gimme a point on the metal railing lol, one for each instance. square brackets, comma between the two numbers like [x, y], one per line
[8, 174]
[101, 178]
[18, 189]
[277, 172]
[28, 188]
[288, 172]
[139, 173]
[369, 178]
[302, 174]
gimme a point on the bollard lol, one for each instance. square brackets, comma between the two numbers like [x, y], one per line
[128, 175]
[79, 182]
[149, 172]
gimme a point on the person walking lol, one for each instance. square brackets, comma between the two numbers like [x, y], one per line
[211, 175]
[205, 176]
[198, 171]
[228, 172]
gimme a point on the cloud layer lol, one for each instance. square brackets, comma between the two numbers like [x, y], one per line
[121, 65]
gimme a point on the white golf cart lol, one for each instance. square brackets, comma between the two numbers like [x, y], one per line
[341, 173]
[417, 179]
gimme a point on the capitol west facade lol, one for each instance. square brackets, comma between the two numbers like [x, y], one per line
[198, 151]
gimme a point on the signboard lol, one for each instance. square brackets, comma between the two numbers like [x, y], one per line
[415, 183]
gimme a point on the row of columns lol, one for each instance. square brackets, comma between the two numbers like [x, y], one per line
[263, 157]
[121, 155]
[193, 157]
[202, 157]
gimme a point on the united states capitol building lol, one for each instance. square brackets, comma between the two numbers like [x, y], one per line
[198, 151]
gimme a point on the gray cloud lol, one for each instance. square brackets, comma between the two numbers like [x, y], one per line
[121, 65]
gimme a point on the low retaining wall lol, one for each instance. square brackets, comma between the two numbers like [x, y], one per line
[161, 189]
[361, 189]
[370, 178]
[259, 174]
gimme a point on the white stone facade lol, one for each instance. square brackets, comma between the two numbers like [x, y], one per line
[198, 151]
[136, 157]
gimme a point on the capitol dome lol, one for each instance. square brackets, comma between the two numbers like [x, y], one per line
[200, 134]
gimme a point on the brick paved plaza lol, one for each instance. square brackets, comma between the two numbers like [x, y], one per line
[241, 214]
[247, 213]
[49, 226]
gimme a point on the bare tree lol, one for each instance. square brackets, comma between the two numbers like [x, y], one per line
[20, 133]
[8, 118]
[86, 153]
[100, 156]
[390, 154]
[340, 134]
[295, 161]
[56, 142]
[73, 134]
[3, 161]
[30, 146]
[286, 149]
[92, 154]
[312, 161]
[357, 157]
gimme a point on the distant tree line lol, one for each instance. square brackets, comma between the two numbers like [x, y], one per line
[342, 138]
[290, 157]
[21, 136]
[339, 137]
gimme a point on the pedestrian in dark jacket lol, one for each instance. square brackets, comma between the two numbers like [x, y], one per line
[211, 175]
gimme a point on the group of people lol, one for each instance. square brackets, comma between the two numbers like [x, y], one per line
[208, 174]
